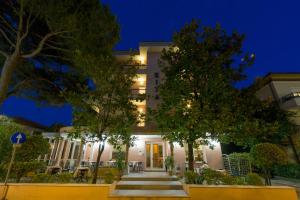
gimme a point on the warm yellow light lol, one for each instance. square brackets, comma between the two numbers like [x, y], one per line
[96, 109]
[141, 110]
[142, 90]
[141, 124]
[142, 59]
[188, 105]
[141, 80]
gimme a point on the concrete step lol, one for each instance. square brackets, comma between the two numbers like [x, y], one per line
[149, 193]
[154, 170]
[149, 177]
[149, 185]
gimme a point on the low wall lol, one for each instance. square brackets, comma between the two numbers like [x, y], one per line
[56, 191]
[224, 192]
[97, 192]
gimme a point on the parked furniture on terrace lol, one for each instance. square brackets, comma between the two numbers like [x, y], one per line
[82, 174]
[53, 170]
[135, 166]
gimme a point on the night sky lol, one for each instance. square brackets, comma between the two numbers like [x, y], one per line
[272, 29]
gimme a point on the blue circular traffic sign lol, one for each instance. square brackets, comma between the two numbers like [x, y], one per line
[18, 138]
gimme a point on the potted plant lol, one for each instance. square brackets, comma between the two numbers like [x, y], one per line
[169, 163]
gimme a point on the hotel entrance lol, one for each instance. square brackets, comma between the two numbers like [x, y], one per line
[154, 155]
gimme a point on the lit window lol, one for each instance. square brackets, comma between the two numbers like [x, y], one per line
[142, 90]
[141, 113]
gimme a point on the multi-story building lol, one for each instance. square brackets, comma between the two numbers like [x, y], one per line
[284, 88]
[149, 148]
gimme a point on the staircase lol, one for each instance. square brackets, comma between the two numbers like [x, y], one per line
[149, 184]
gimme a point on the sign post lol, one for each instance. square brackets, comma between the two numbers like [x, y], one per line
[17, 139]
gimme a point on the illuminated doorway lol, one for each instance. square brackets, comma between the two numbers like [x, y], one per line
[154, 155]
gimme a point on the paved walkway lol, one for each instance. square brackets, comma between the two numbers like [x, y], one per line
[287, 182]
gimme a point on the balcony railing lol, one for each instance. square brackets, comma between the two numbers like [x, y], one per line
[290, 96]
[137, 65]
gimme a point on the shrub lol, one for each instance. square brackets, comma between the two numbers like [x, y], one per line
[193, 178]
[120, 161]
[212, 177]
[2, 172]
[239, 180]
[265, 156]
[41, 178]
[56, 178]
[169, 163]
[288, 171]
[253, 179]
[227, 179]
[109, 177]
[64, 177]
[21, 169]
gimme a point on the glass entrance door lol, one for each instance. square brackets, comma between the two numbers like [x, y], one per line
[154, 155]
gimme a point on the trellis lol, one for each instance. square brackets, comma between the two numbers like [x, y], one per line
[237, 164]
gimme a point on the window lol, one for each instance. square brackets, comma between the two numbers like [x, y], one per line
[156, 75]
[156, 82]
[156, 97]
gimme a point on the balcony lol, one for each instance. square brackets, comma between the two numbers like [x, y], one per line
[139, 91]
[290, 101]
[290, 96]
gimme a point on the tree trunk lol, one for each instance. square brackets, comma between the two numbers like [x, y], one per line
[100, 151]
[267, 177]
[9, 66]
[191, 156]
[126, 157]
[294, 149]
[172, 149]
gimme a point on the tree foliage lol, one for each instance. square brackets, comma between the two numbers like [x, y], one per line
[266, 156]
[257, 121]
[200, 68]
[105, 108]
[34, 146]
[40, 42]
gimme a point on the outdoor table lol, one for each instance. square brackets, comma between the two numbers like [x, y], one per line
[82, 173]
[110, 163]
[53, 169]
[134, 165]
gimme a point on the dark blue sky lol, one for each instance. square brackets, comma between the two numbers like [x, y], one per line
[272, 29]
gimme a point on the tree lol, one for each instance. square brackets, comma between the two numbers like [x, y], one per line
[105, 108]
[34, 146]
[201, 68]
[259, 121]
[123, 139]
[26, 155]
[46, 36]
[266, 156]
